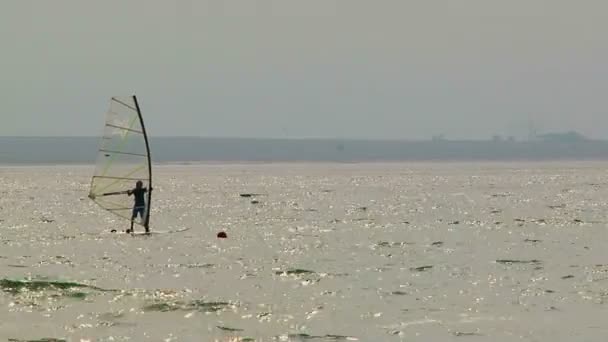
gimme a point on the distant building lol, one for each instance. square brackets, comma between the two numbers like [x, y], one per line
[565, 137]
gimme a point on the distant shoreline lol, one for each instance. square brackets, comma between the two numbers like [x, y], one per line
[213, 151]
[405, 164]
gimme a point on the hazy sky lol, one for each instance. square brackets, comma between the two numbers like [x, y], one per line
[403, 69]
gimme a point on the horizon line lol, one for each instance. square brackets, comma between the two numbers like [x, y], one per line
[334, 139]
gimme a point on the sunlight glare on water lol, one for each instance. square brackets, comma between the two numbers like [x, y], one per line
[319, 252]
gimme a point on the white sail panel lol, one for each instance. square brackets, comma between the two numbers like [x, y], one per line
[123, 159]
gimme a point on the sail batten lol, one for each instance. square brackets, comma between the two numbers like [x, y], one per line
[125, 128]
[123, 158]
[124, 104]
[121, 178]
[125, 153]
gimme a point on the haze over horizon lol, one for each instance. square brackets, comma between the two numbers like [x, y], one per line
[317, 68]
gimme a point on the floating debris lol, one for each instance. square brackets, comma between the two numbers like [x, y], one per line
[462, 334]
[393, 244]
[437, 244]
[229, 329]
[421, 268]
[304, 337]
[295, 271]
[532, 240]
[197, 265]
[510, 262]
[249, 195]
[196, 305]
[570, 276]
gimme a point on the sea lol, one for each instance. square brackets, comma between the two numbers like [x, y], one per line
[321, 250]
[184, 150]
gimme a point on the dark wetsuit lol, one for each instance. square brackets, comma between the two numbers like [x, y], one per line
[140, 201]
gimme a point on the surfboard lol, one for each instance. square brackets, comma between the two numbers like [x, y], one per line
[159, 232]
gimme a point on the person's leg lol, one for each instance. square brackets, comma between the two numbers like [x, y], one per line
[133, 217]
[143, 219]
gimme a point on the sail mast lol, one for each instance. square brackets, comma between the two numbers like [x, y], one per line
[143, 127]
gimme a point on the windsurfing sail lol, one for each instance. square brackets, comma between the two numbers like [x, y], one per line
[123, 159]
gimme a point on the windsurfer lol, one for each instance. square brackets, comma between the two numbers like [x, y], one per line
[139, 208]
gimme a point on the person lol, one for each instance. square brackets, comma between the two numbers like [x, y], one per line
[139, 207]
